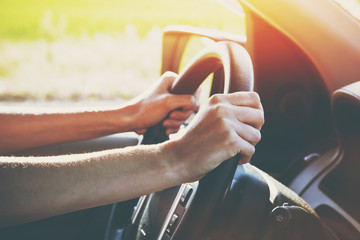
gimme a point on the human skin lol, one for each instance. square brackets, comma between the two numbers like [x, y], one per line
[19, 131]
[38, 187]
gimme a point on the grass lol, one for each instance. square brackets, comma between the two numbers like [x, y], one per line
[91, 49]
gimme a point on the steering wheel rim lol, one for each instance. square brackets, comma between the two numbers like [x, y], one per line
[234, 72]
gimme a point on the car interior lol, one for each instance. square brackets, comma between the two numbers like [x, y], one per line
[303, 180]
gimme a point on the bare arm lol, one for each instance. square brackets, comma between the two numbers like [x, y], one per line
[22, 131]
[34, 188]
[19, 131]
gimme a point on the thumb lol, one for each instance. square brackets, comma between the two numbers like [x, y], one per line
[167, 80]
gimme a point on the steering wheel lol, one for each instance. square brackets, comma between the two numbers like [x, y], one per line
[187, 211]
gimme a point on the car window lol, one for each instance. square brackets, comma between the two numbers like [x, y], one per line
[351, 6]
[101, 50]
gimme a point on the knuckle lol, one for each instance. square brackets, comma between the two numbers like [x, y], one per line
[223, 125]
[194, 100]
[232, 141]
[217, 110]
[260, 120]
[254, 96]
[247, 150]
[257, 136]
[233, 148]
[251, 150]
[215, 99]
[235, 144]
[224, 130]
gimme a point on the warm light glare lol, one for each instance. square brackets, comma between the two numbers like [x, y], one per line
[92, 49]
[352, 6]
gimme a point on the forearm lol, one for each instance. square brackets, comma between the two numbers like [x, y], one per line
[35, 188]
[23, 131]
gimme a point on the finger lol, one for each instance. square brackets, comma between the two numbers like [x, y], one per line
[170, 123]
[186, 102]
[180, 115]
[249, 99]
[247, 150]
[171, 130]
[169, 74]
[167, 80]
[244, 159]
[248, 133]
[140, 131]
[248, 115]
[251, 116]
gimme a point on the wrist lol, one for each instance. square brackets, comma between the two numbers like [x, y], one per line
[175, 167]
[126, 118]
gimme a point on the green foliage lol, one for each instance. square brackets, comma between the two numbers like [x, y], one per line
[91, 49]
[51, 19]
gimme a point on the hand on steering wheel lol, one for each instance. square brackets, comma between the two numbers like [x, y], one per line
[228, 125]
[227, 128]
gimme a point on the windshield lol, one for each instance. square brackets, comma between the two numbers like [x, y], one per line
[352, 6]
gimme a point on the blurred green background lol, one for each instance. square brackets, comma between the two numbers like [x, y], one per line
[32, 19]
[91, 49]
[77, 50]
